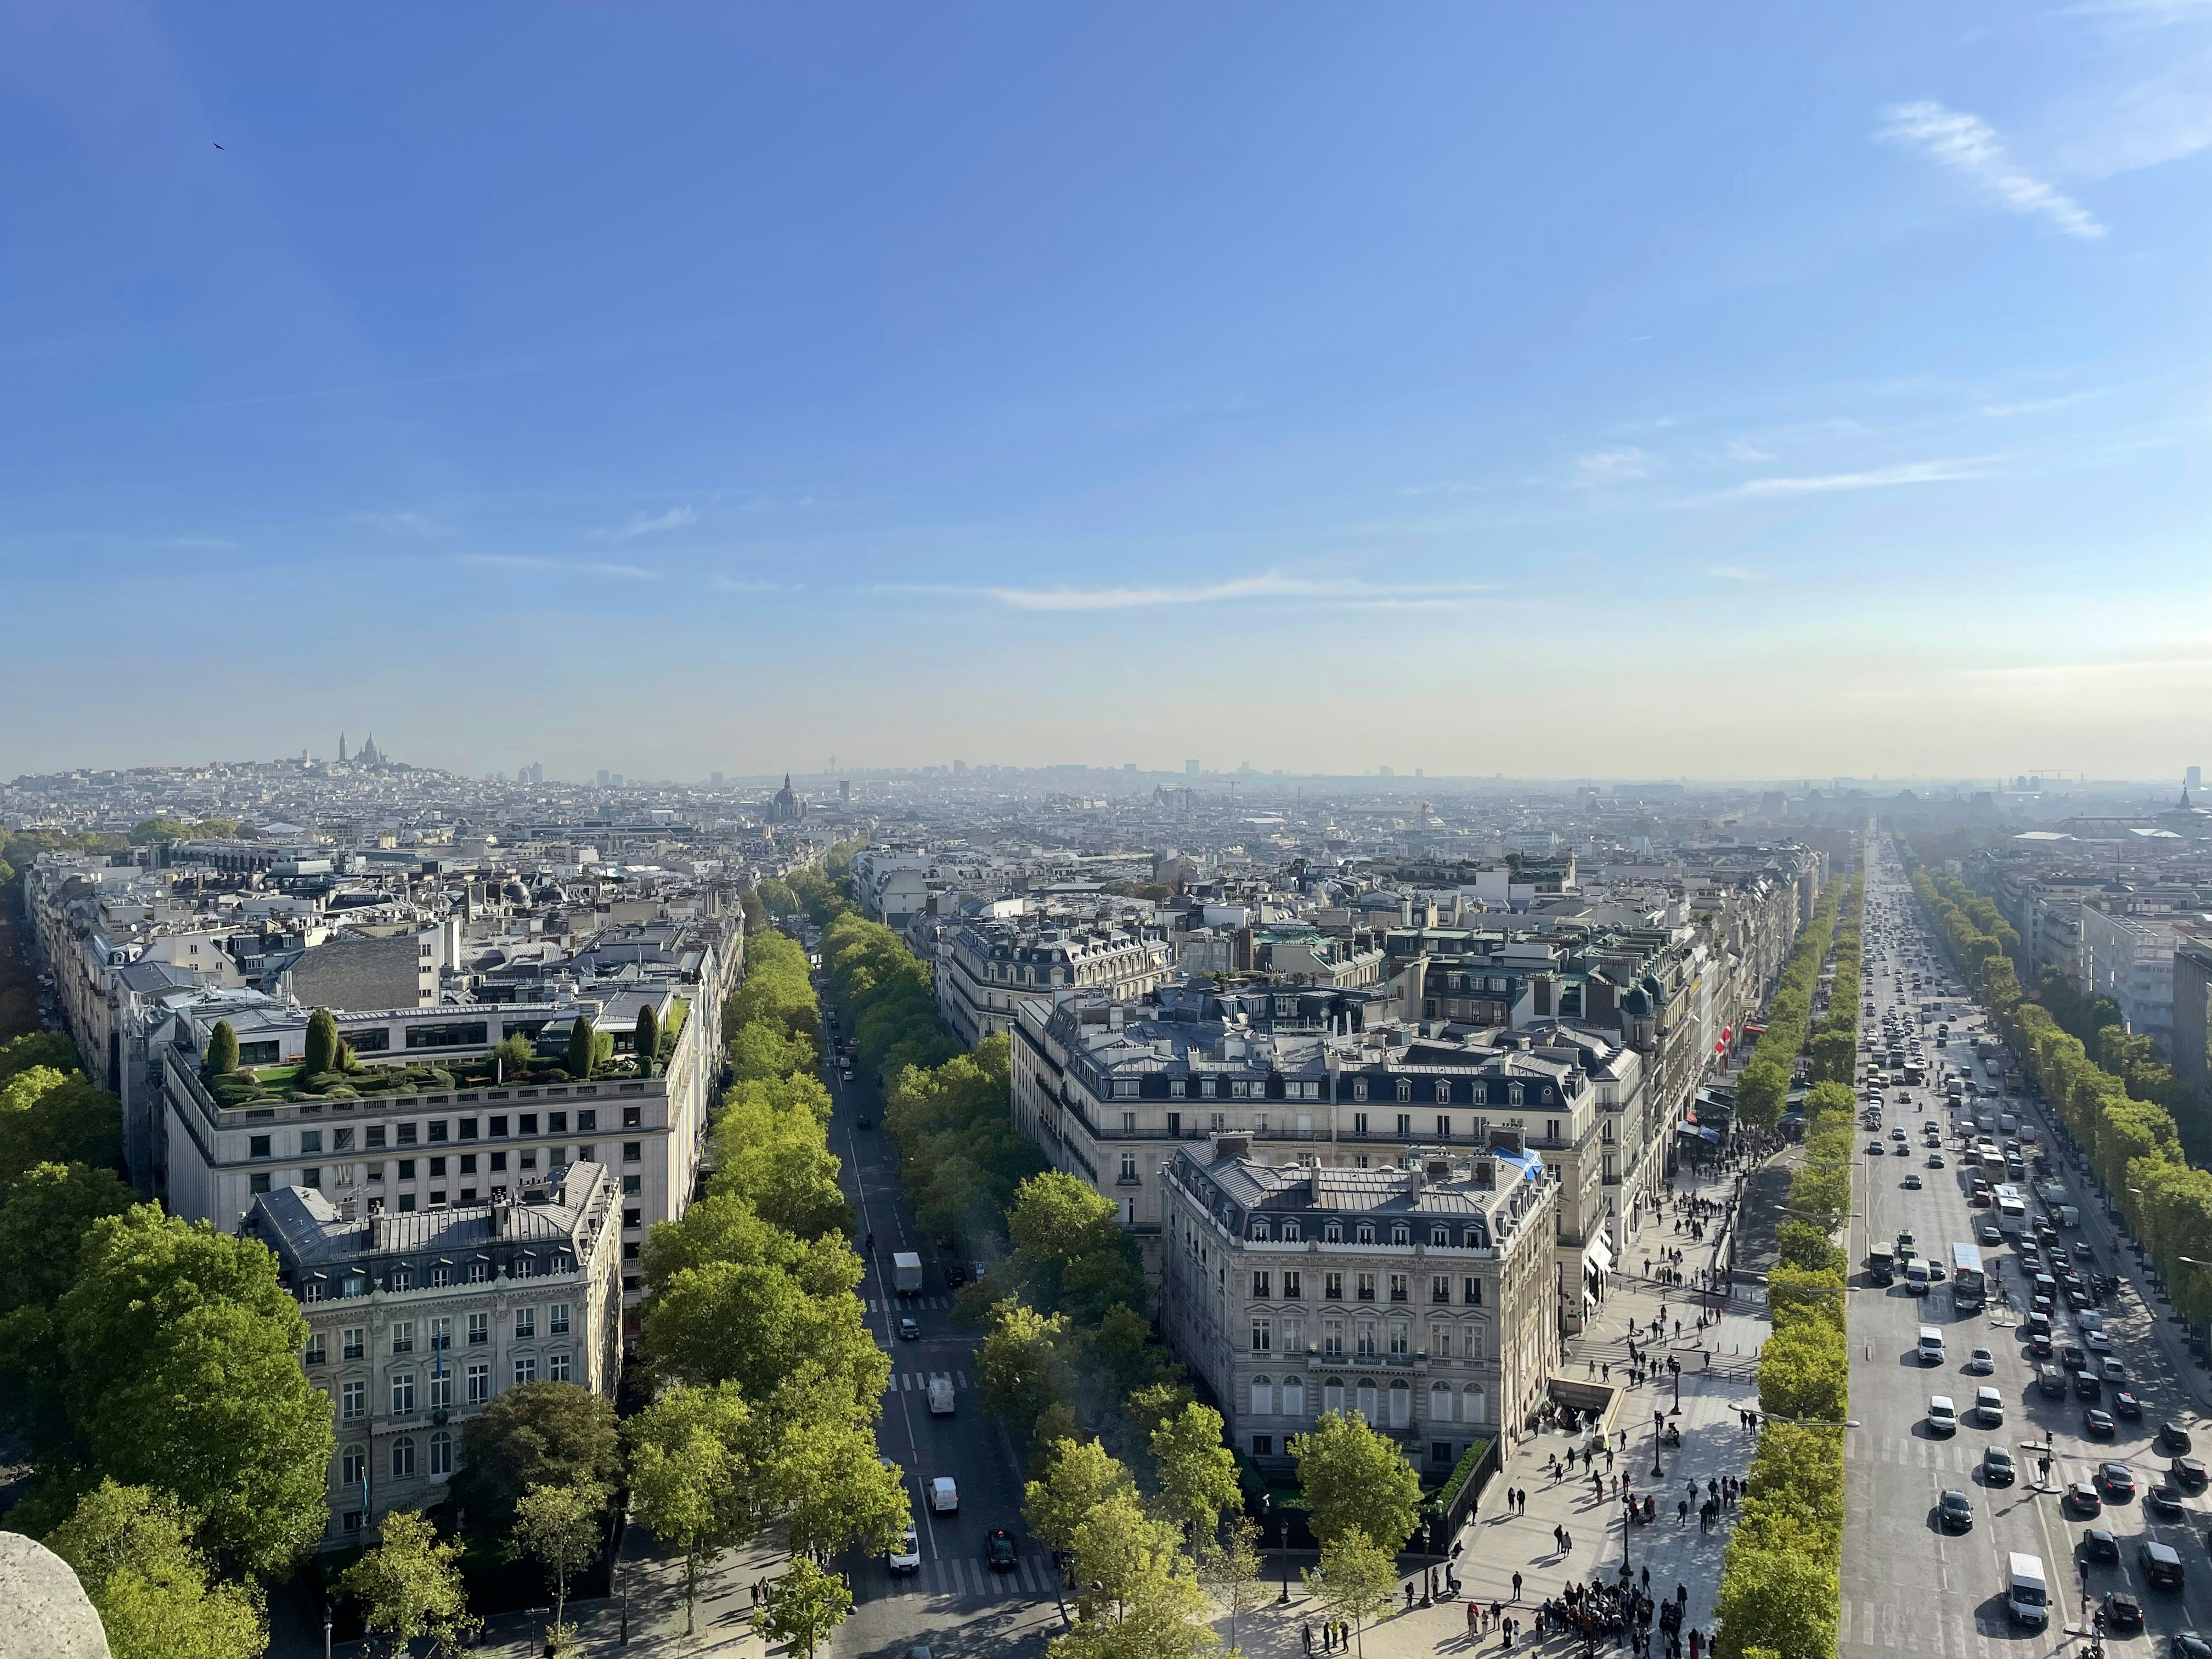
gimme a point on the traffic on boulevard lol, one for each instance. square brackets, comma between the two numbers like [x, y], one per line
[2028, 1463]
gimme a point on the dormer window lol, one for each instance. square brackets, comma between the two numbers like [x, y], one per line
[1366, 1232]
[1292, 1232]
[1512, 1094]
[1400, 1235]
[1405, 1088]
[1333, 1233]
[1439, 1237]
[1261, 1230]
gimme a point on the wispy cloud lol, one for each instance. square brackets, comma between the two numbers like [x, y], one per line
[1968, 144]
[1883, 477]
[2037, 405]
[1750, 454]
[2161, 119]
[561, 567]
[1732, 572]
[1348, 590]
[1612, 466]
[645, 524]
[742, 584]
[404, 523]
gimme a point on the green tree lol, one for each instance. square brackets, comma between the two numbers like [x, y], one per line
[560, 1529]
[1229, 1572]
[803, 1606]
[1356, 1479]
[1078, 1476]
[819, 1469]
[1026, 1362]
[322, 1050]
[1355, 1579]
[222, 1050]
[515, 1055]
[156, 1596]
[647, 1038]
[183, 1371]
[582, 1046]
[48, 1210]
[1775, 1599]
[51, 1048]
[1129, 1566]
[1197, 1474]
[48, 1118]
[688, 1478]
[754, 1325]
[410, 1587]
[536, 1434]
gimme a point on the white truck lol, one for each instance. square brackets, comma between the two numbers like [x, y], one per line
[943, 1496]
[906, 1272]
[940, 1396]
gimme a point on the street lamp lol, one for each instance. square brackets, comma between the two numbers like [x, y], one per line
[1658, 1424]
[1283, 1542]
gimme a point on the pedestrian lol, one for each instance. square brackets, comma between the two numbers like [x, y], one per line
[1682, 1513]
[1305, 1635]
[1470, 1627]
[1697, 1643]
[1517, 1587]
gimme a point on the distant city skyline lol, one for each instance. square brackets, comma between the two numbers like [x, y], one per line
[1611, 389]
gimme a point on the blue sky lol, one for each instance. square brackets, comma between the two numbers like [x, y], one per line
[1554, 391]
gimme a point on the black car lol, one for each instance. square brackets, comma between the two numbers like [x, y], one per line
[865, 1122]
[2122, 1610]
[1956, 1512]
[2098, 1425]
[909, 1328]
[2072, 1358]
[2087, 1385]
[2125, 1403]
[2160, 1565]
[2100, 1547]
[998, 1549]
[2188, 1645]
[2188, 1473]
[2172, 1437]
[1996, 1467]
[2116, 1479]
[2164, 1500]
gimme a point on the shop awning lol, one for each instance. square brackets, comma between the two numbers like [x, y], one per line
[1596, 1254]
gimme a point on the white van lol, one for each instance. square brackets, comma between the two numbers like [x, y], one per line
[1943, 1415]
[940, 1396]
[2028, 1596]
[1931, 1345]
[1989, 1408]
[943, 1496]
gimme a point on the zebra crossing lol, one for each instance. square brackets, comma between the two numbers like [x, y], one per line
[968, 1577]
[877, 1305]
[918, 1382]
[1866, 1621]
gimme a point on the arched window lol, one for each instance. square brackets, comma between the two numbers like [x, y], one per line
[441, 1454]
[1292, 1232]
[1440, 1403]
[353, 1464]
[1400, 1234]
[1402, 1404]
[1405, 1088]
[1333, 1233]
[1294, 1397]
[403, 1459]
[1366, 1232]
[1263, 1396]
[1440, 1235]
[1472, 1406]
[1260, 1228]
[1331, 1395]
[1367, 1398]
